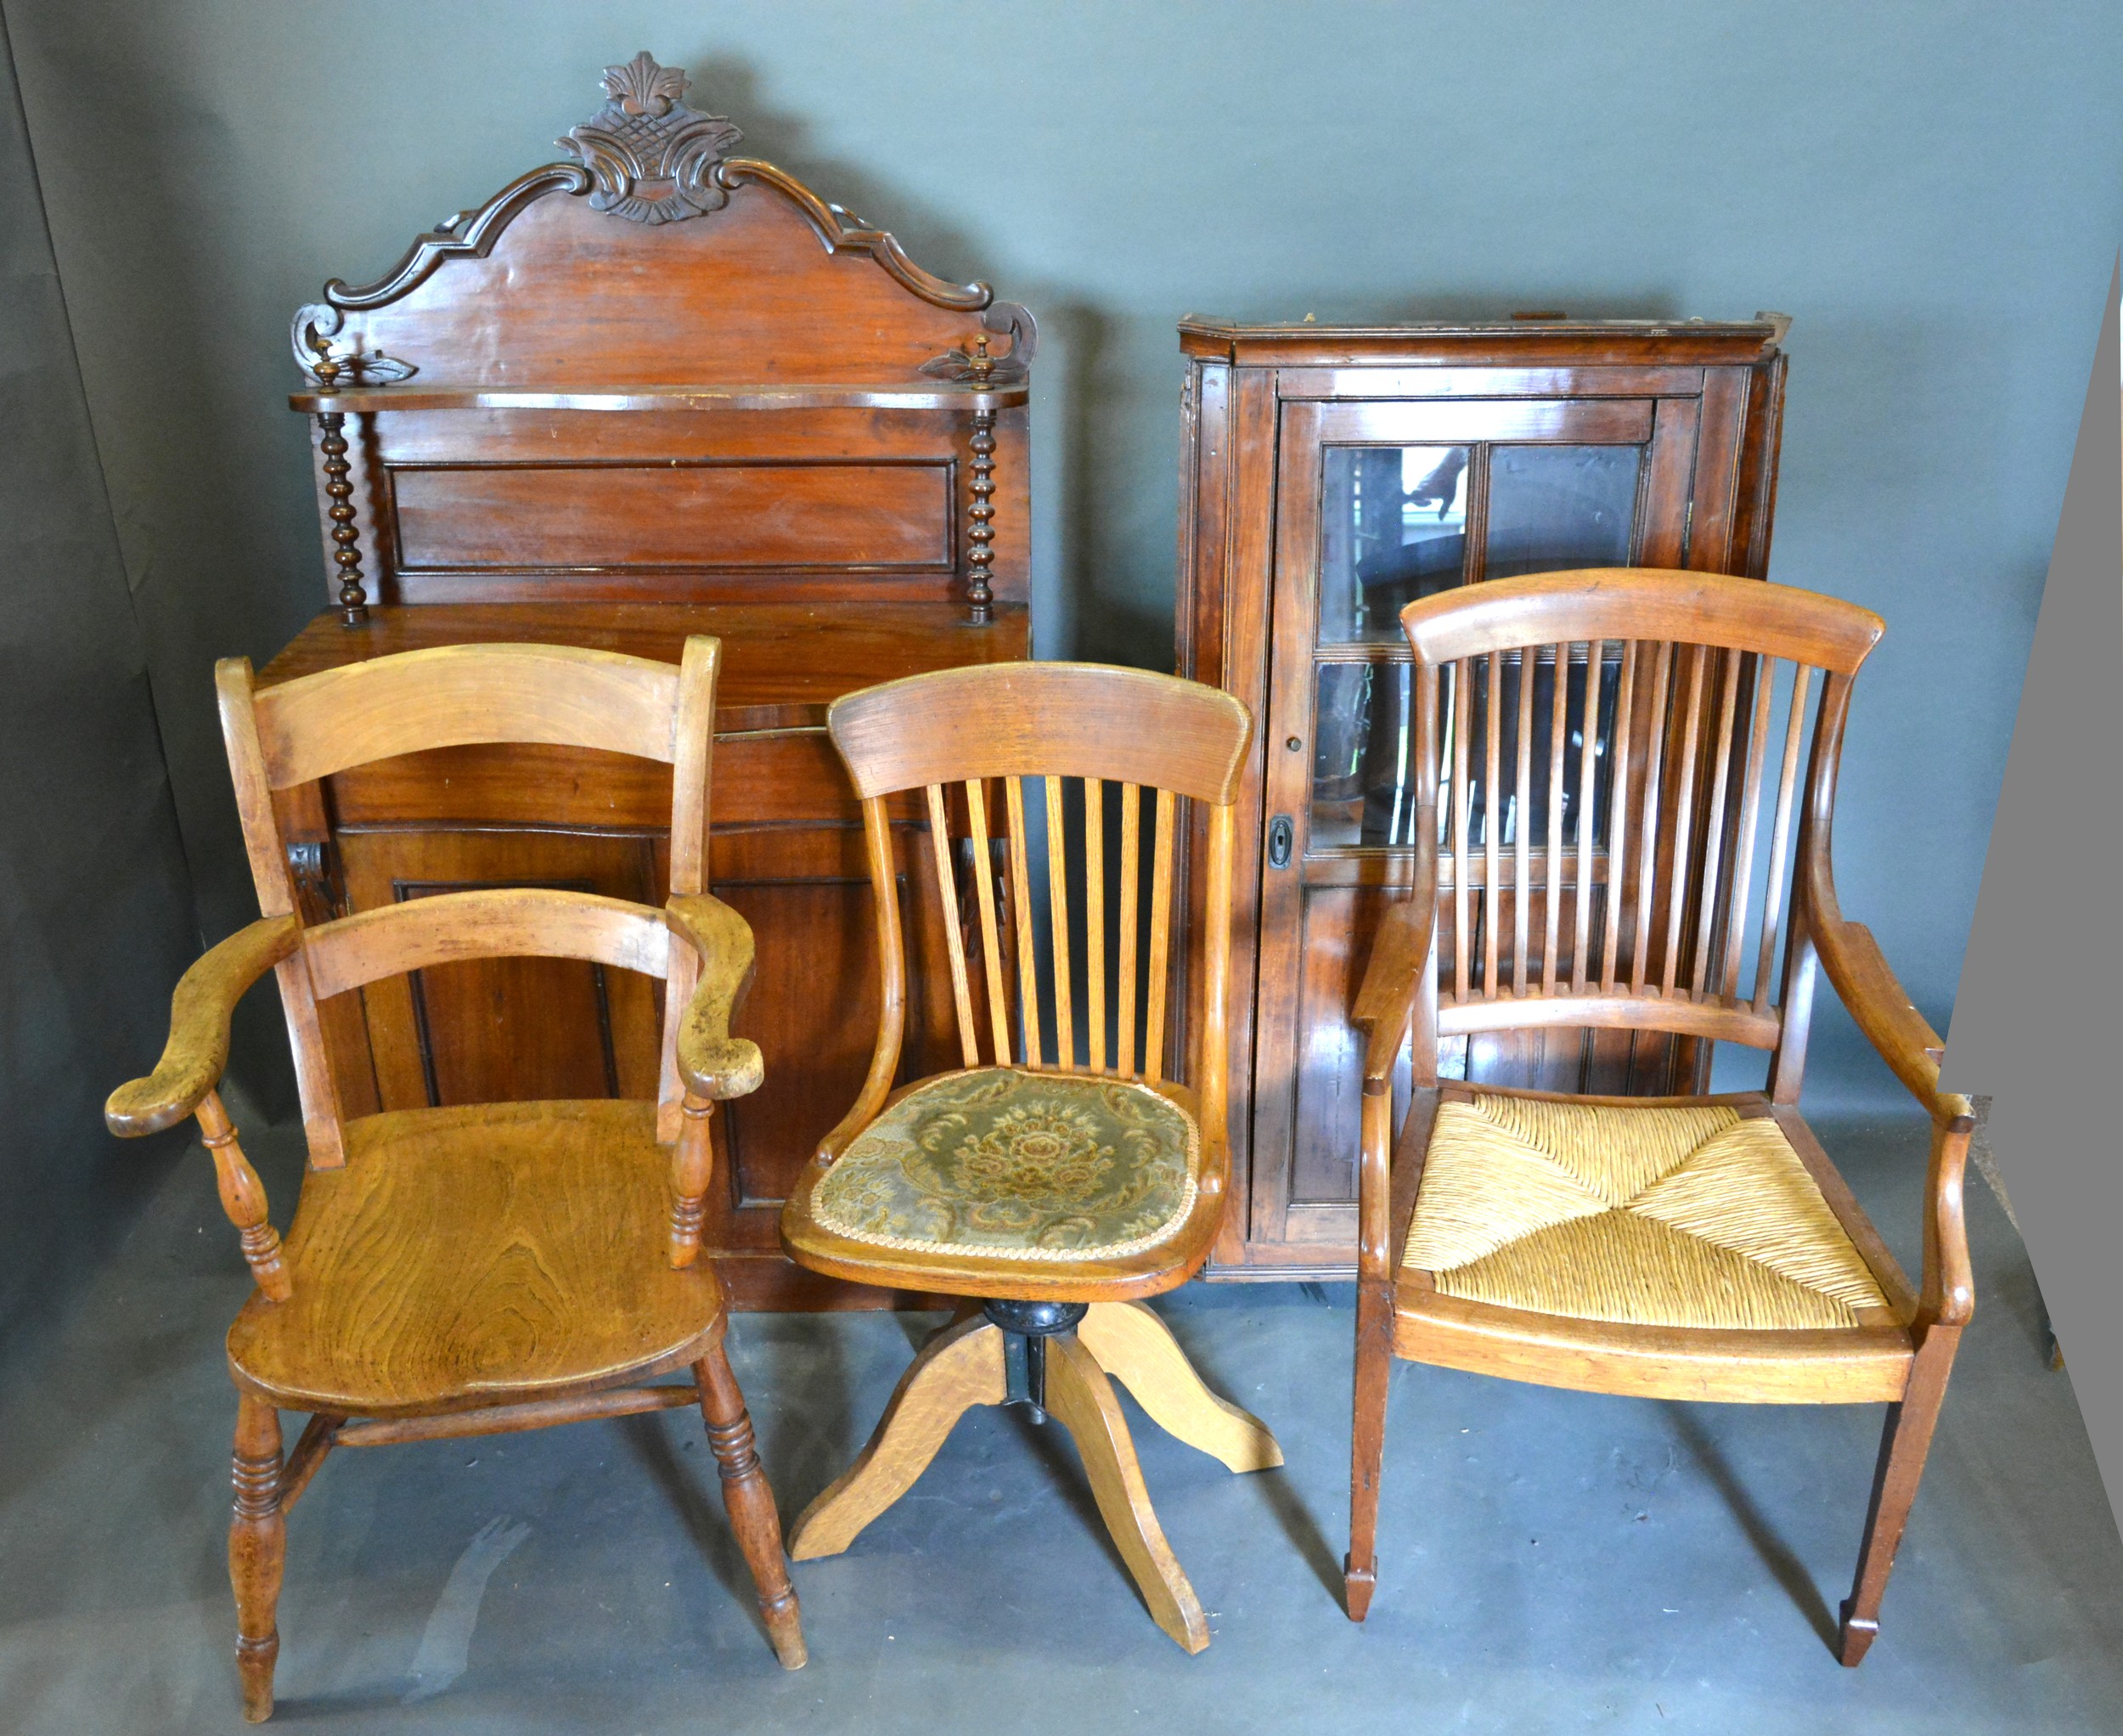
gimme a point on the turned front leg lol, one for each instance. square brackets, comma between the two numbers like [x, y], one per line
[750, 1504]
[257, 1549]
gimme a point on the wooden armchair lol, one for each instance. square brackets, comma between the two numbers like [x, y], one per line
[1056, 1183]
[471, 1269]
[1604, 859]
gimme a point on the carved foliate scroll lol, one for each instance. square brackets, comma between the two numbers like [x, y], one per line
[652, 158]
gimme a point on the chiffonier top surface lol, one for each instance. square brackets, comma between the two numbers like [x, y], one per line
[796, 658]
[1511, 342]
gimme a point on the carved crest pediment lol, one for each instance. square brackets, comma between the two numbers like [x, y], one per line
[652, 158]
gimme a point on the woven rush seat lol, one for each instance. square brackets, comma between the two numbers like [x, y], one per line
[1660, 1215]
[999, 1160]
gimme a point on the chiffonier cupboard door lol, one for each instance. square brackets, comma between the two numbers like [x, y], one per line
[1323, 499]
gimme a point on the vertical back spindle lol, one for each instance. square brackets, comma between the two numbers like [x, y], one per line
[1750, 818]
[1521, 818]
[1588, 808]
[1462, 809]
[1551, 910]
[1648, 813]
[1780, 835]
[1684, 810]
[1714, 823]
[1492, 819]
[1618, 814]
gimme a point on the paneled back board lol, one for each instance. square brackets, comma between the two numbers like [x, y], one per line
[654, 389]
[1330, 475]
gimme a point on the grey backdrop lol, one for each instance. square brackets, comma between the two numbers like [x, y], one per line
[1934, 192]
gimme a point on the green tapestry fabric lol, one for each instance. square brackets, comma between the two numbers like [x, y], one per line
[1030, 1165]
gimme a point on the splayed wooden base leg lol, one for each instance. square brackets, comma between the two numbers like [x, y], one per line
[750, 1504]
[960, 1367]
[1081, 1397]
[1138, 1349]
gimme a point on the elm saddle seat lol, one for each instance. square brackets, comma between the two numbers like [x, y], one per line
[478, 1268]
[1698, 1248]
[1059, 1177]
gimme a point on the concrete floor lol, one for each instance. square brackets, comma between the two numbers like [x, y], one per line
[1549, 1560]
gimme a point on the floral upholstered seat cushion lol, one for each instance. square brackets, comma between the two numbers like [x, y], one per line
[1025, 1165]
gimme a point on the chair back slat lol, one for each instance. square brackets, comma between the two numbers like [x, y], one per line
[1603, 860]
[490, 922]
[1131, 934]
[1058, 927]
[1021, 905]
[983, 872]
[454, 695]
[953, 939]
[1094, 918]
[1154, 1019]
[1096, 953]
[291, 734]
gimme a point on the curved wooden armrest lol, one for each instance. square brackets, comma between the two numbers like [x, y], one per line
[199, 1011]
[1387, 999]
[1906, 1043]
[1883, 1010]
[714, 1064]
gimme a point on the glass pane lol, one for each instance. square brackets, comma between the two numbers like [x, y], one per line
[1553, 507]
[1363, 784]
[1392, 527]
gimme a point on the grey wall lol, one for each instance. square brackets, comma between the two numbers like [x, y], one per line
[1934, 192]
[96, 914]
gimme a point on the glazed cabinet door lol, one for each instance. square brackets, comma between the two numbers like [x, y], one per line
[1379, 503]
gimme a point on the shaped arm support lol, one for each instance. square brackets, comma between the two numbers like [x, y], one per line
[715, 1065]
[199, 1011]
[183, 1083]
[1394, 990]
[1854, 966]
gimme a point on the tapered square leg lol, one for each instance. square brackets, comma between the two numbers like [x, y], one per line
[1367, 1445]
[1903, 1448]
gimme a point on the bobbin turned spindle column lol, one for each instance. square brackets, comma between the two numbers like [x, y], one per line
[980, 532]
[353, 600]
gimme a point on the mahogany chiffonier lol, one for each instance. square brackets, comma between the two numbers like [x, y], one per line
[1329, 477]
[651, 390]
